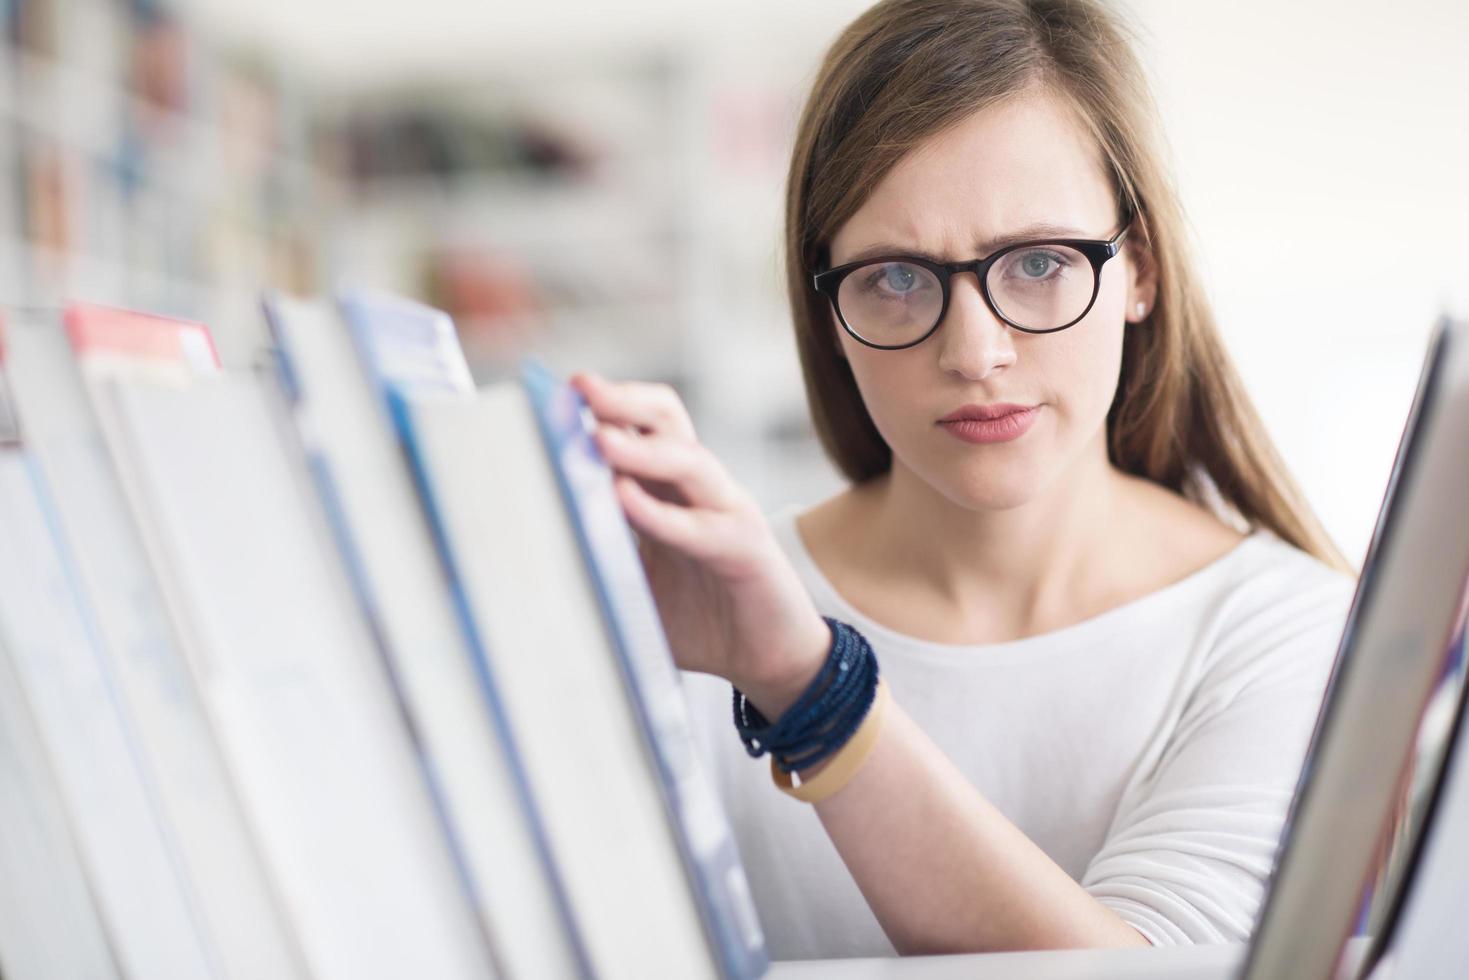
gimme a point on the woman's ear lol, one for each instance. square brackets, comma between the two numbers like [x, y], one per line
[1142, 289]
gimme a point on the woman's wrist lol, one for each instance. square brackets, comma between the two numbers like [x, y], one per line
[774, 690]
[827, 720]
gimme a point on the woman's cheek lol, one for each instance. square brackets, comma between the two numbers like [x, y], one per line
[885, 406]
[1085, 377]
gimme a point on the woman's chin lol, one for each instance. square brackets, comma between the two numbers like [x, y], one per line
[990, 490]
[997, 498]
[993, 481]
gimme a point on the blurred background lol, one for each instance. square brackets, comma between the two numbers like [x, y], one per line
[601, 184]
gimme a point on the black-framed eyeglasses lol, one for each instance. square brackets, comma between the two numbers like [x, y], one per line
[892, 302]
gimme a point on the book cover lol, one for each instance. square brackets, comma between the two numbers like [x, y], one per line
[134, 339]
[406, 344]
[526, 596]
[155, 666]
[627, 603]
[131, 866]
[305, 715]
[385, 538]
[1393, 652]
[49, 926]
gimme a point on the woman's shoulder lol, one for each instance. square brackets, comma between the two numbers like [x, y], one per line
[1189, 534]
[1275, 621]
[1283, 591]
[1269, 579]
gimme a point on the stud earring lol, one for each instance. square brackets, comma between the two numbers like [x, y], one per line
[1141, 309]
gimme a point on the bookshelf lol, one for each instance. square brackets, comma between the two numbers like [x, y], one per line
[367, 780]
[149, 165]
[620, 213]
[642, 240]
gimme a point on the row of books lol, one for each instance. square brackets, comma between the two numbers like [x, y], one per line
[340, 668]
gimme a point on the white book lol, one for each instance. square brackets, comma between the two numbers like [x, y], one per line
[363, 477]
[302, 708]
[199, 809]
[131, 870]
[49, 929]
[535, 616]
[630, 614]
[1392, 656]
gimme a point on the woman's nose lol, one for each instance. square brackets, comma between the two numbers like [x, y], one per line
[973, 341]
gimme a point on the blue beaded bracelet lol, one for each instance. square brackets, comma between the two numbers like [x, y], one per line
[826, 714]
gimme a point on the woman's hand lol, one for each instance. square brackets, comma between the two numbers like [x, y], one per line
[941, 867]
[730, 602]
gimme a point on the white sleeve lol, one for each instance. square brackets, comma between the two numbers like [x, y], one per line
[1192, 844]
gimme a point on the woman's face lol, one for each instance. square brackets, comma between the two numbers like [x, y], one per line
[1023, 164]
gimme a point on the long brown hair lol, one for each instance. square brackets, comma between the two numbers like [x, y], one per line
[905, 70]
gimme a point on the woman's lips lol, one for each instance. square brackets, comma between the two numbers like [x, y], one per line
[1002, 429]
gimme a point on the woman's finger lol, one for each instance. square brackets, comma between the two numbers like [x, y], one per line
[680, 528]
[650, 407]
[686, 466]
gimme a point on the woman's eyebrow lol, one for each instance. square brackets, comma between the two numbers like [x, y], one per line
[1042, 229]
[1032, 232]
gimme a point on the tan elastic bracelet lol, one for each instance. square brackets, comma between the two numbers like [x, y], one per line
[848, 759]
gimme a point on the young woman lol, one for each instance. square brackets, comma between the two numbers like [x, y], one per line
[1103, 615]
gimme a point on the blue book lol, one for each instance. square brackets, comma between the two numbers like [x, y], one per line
[405, 345]
[387, 545]
[530, 599]
[610, 553]
[407, 349]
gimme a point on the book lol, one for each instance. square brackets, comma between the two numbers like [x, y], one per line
[49, 926]
[1423, 935]
[385, 689]
[62, 358]
[534, 615]
[411, 350]
[48, 923]
[128, 856]
[384, 537]
[1394, 651]
[403, 344]
[301, 706]
[631, 618]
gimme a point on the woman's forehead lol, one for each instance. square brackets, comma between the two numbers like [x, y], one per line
[1027, 161]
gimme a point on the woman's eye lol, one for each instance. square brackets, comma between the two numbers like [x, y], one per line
[899, 278]
[1036, 265]
[895, 278]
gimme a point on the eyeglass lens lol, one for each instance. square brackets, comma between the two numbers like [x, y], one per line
[1038, 288]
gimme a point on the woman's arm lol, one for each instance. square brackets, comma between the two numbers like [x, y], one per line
[941, 868]
[1194, 838]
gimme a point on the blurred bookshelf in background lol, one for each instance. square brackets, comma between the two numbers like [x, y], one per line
[618, 210]
[146, 166]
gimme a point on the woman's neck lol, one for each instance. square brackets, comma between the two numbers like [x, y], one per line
[1015, 571]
